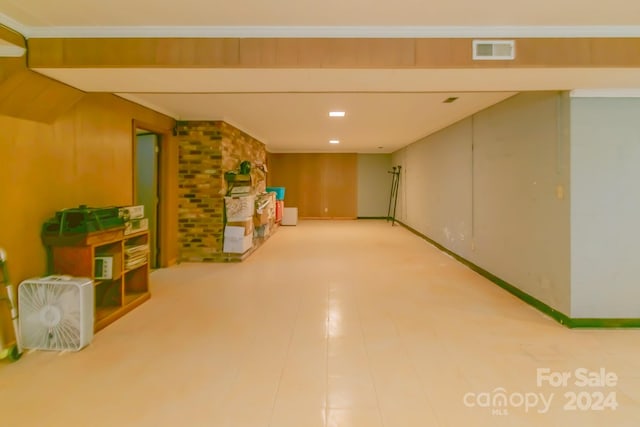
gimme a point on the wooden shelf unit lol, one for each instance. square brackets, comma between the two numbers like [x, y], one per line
[127, 288]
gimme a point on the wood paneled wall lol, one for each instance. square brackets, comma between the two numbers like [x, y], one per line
[325, 52]
[11, 36]
[29, 95]
[32, 96]
[322, 185]
[83, 157]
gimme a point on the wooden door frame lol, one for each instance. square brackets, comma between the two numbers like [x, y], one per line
[166, 203]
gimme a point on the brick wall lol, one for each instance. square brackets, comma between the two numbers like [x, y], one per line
[237, 146]
[206, 150]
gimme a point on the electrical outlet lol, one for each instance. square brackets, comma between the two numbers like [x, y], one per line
[326, 210]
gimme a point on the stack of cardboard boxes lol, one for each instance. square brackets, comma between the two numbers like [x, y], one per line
[134, 219]
[250, 221]
[238, 231]
[264, 218]
[279, 203]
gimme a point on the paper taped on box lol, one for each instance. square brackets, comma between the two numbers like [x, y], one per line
[239, 208]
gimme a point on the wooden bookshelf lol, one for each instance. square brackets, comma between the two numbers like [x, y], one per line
[120, 290]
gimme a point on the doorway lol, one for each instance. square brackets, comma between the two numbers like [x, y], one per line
[146, 185]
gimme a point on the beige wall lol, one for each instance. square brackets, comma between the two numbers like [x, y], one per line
[605, 206]
[374, 185]
[434, 193]
[487, 188]
[83, 157]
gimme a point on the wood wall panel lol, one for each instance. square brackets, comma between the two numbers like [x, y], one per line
[12, 36]
[258, 51]
[312, 52]
[320, 185]
[52, 51]
[319, 52]
[442, 53]
[360, 53]
[615, 51]
[83, 157]
[555, 52]
[9, 66]
[29, 95]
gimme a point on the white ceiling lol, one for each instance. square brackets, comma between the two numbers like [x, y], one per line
[322, 13]
[288, 108]
[299, 122]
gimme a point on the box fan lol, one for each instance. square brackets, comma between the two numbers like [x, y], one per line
[56, 312]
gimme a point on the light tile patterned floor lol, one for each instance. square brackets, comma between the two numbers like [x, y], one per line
[346, 323]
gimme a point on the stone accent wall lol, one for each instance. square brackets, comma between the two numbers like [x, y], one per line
[237, 146]
[206, 150]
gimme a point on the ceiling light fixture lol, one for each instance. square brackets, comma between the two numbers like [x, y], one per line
[336, 113]
[334, 141]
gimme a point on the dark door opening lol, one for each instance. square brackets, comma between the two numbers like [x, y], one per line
[146, 185]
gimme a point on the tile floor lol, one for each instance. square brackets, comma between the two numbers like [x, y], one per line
[346, 323]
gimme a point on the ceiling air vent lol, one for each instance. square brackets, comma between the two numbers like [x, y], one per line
[494, 49]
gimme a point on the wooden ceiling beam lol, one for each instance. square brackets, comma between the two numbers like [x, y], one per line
[323, 53]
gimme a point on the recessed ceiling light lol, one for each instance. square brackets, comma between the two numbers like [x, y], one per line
[336, 113]
[334, 141]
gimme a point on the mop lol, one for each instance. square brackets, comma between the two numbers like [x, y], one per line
[14, 352]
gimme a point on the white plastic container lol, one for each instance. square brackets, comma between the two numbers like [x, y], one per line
[290, 216]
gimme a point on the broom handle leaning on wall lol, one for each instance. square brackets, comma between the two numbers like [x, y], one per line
[395, 196]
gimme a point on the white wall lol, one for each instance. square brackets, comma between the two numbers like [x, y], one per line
[374, 184]
[488, 189]
[605, 206]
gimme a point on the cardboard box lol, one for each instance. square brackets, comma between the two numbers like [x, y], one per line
[246, 225]
[261, 218]
[231, 232]
[135, 225]
[131, 212]
[237, 245]
[262, 231]
[239, 208]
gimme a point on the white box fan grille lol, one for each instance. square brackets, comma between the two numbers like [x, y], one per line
[56, 312]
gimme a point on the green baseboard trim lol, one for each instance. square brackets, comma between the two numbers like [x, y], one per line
[373, 217]
[532, 301]
[577, 322]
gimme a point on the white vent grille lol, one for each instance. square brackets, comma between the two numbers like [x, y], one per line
[494, 49]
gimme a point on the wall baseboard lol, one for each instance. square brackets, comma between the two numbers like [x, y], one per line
[330, 218]
[532, 301]
[374, 217]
